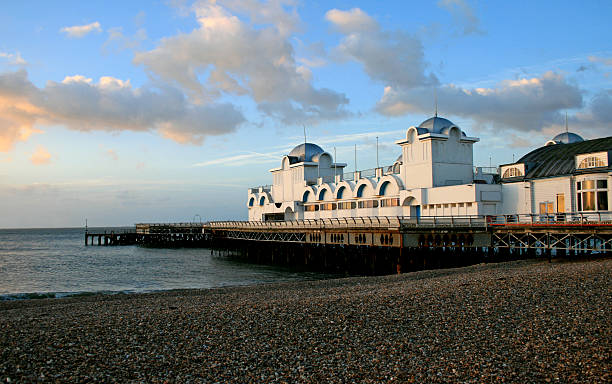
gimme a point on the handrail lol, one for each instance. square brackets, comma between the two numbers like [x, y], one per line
[567, 218]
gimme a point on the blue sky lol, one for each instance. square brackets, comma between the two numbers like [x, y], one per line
[122, 112]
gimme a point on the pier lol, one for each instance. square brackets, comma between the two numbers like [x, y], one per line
[382, 245]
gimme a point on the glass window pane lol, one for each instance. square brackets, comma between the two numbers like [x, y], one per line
[588, 201]
[602, 183]
[602, 201]
[588, 184]
[579, 202]
[579, 185]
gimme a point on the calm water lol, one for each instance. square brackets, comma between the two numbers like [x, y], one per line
[56, 262]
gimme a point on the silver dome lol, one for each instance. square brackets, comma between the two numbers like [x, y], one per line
[305, 152]
[436, 124]
[567, 138]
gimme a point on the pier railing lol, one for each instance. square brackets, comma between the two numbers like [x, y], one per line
[389, 222]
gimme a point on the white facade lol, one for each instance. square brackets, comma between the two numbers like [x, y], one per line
[434, 176]
[565, 176]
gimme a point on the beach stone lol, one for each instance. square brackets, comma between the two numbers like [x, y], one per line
[516, 322]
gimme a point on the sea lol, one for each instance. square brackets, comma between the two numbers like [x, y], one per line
[55, 263]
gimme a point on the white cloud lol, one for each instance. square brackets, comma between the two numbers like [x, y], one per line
[13, 58]
[237, 57]
[354, 20]
[111, 104]
[596, 120]
[41, 156]
[393, 58]
[603, 60]
[463, 15]
[117, 41]
[79, 31]
[528, 104]
[397, 60]
[247, 158]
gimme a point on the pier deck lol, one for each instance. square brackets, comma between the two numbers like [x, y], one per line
[382, 245]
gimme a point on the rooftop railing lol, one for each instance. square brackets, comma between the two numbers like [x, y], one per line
[265, 188]
[487, 170]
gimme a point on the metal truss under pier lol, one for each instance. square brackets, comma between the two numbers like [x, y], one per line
[574, 233]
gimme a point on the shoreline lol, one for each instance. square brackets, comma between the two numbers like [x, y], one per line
[41, 296]
[520, 321]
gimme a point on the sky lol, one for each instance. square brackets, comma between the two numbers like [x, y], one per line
[167, 111]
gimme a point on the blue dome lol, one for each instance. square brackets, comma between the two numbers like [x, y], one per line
[567, 138]
[305, 152]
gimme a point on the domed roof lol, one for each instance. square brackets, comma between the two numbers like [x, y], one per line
[436, 124]
[567, 138]
[305, 152]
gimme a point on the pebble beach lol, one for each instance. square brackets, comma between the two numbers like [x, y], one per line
[516, 322]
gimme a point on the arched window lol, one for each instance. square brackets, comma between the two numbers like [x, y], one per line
[591, 162]
[512, 172]
[251, 201]
[360, 190]
[305, 197]
[383, 188]
[322, 194]
[340, 193]
[262, 200]
[396, 168]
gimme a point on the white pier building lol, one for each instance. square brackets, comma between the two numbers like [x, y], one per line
[435, 176]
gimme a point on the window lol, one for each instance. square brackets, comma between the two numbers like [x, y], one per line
[360, 191]
[347, 205]
[305, 197]
[368, 204]
[512, 172]
[592, 195]
[389, 202]
[262, 200]
[251, 201]
[383, 188]
[546, 207]
[311, 208]
[602, 200]
[340, 192]
[560, 203]
[328, 207]
[591, 162]
[322, 194]
[588, 201]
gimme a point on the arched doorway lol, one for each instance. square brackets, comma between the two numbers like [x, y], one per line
[289, 214]
[411, 207]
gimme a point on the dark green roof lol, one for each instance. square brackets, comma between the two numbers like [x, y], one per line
[559, 159]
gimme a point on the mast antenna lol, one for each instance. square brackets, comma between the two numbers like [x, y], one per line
[436, 101]
[566, 128]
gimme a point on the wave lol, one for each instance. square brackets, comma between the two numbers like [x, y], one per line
[60, 295]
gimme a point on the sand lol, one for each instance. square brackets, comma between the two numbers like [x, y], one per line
[525, 321]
